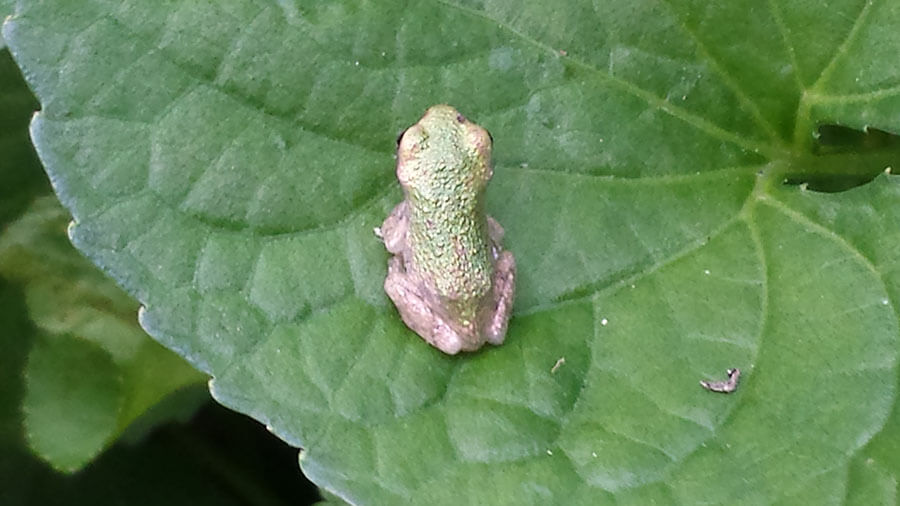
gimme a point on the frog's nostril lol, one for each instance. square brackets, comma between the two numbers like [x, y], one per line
[460, 118]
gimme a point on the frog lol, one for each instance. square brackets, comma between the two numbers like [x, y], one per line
[449, 276]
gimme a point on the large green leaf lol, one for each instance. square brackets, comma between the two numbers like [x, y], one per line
[226, 162]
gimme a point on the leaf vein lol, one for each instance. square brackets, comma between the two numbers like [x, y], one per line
[788, 47]
[858, 23]
[808, 223]
[876, 94]
[749, 105]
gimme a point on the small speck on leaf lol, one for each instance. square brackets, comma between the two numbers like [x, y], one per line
[724, 387]
[557, 365]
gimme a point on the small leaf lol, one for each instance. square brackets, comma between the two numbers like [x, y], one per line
[72, 401]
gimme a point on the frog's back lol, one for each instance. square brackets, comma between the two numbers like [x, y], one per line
[444, 164]
[453, 251]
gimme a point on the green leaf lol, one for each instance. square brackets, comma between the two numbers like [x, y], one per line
[226, 163]
[73, 393]
[95, 372]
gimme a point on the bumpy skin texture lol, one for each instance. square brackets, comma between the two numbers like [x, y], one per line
[450, 278]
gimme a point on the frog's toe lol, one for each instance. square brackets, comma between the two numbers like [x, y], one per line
[445, 339]
[393, 230]
[497, 338]
[495, 330]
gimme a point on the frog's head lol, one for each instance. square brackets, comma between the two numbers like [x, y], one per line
[444, 150]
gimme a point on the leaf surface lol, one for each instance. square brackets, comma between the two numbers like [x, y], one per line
[226, 163]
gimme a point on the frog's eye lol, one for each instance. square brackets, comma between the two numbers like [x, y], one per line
[400, 137]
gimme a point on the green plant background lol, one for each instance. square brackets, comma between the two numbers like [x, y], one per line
[226, 164]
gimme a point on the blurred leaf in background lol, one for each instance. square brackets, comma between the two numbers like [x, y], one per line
[92, 371]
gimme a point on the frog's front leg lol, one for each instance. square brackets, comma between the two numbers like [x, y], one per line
[495, 232]
[393, 230]
[504, 289]
[417, 310]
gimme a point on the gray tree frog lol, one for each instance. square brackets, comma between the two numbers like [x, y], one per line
[450, 278]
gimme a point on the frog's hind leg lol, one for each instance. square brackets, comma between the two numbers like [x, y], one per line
[393, 230]
[417, 312]
[504, 291]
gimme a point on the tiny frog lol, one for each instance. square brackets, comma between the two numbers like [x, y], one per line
[450, 278]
